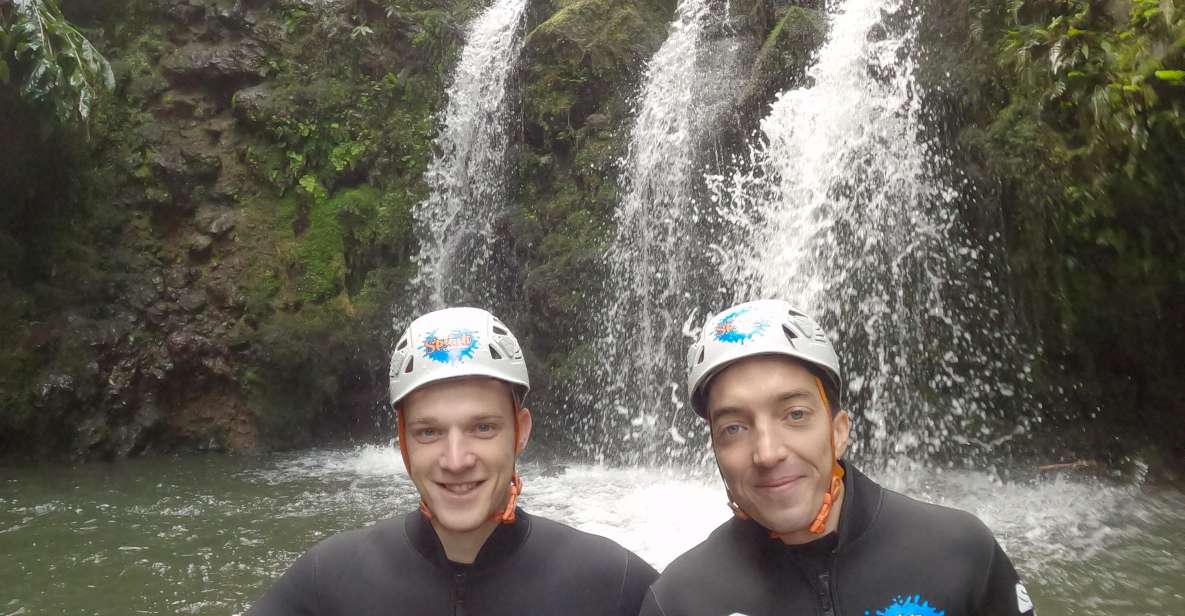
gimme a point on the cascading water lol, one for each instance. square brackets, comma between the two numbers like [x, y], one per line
[459, 259]
[852, 214]
[653, 259]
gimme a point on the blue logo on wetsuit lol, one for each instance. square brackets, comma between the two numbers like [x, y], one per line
[908, 606]
[733, 328]
[454, 348]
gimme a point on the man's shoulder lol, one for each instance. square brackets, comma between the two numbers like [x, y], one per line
[938, 526]
[728, 546]
[561, 536]
[347, 545]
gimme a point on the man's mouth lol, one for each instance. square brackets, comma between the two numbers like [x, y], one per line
[460, 488]
[778, 482]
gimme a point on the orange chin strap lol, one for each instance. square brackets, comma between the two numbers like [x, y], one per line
[819, 525]
[516, 484]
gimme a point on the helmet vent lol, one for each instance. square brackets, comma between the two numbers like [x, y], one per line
[701, 356]
[790, 333]
[494, 350]
[402, 345]
[410, 363]
[501, 331]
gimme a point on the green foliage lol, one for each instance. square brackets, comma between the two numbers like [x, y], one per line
[49, 60]
[1081, 134]
[321, 253]
[1104, 95]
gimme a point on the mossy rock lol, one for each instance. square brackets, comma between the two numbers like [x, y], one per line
[585, 53]
[787, 53]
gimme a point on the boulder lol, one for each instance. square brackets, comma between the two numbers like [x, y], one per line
[215, 221]
[224, 64]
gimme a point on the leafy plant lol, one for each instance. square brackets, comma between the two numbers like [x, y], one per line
[51, 62]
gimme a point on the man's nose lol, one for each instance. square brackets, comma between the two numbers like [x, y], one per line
[457, 456]
[767, 449]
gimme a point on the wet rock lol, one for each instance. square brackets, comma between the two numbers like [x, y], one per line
[90, 433]
[186, 347]
[157, 314]
[125, 439]
[119, 383]
[783, 59]
[180, 278]
[214, 220]
[597, 121]
[184, 170]
[193, 301]
[254, 105]
[141, 296]
[225, 64]
[222, 293]
[56, 390]
[184, 12]
[199, 245]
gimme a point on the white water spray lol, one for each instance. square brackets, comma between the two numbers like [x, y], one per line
[853, 216]
[653, 256]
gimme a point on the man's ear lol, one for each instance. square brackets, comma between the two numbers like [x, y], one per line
[524, 429]
[841, 427]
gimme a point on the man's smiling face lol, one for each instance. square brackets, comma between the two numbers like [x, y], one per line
[461, 450]
[772, 436]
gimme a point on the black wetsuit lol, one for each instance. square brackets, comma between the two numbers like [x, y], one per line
[891, 556]
[398, 567]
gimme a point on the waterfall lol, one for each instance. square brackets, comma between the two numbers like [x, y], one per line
[654, 260]
[847, 207]
[459, 260]
[855, 218]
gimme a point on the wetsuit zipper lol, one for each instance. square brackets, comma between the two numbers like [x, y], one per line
[459, 594]
[824, 590]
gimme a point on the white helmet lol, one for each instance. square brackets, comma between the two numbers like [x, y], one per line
[761, 327]
[456, 342]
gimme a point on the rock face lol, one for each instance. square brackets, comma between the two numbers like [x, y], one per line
[228, 65]
[213, 269]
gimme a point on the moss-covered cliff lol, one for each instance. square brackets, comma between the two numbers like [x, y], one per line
[1069, 118]
[215, 265]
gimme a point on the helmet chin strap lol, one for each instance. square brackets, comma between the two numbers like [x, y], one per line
[819, 524]
[506, 516]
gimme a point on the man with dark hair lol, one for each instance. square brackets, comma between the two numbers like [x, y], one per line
[810, 533]
[458, 380]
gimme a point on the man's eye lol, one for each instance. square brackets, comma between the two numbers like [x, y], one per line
[796, 414]
[485, 427]
[731, 429]
[427, 433]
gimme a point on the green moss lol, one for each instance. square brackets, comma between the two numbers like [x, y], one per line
[321, 253]
[584, 51]
[785, 55]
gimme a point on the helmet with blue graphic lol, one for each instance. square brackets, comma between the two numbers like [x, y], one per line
[761, 327]
[454, 343]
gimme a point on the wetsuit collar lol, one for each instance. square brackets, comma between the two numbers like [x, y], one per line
[500, 545]
[861, 502]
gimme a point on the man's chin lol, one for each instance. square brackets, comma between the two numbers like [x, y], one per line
[781, 522]
[459, 521]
